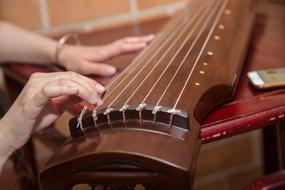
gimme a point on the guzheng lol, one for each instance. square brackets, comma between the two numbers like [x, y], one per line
[147, 130]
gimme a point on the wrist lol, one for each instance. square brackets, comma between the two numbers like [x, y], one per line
[61, 57]
[61, 45]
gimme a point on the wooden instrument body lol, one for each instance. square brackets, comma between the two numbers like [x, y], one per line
[135, 146]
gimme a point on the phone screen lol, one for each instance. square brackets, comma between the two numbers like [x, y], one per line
[272, 75]
[270, 78]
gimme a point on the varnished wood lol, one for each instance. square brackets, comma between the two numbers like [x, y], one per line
[159, 155]
[274, 181]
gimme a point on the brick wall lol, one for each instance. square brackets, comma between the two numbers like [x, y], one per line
[63, 15]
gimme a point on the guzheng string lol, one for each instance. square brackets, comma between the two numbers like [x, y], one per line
[195, 63]
[185, 84]
[94, 114]
[165, 53]
[184, 59]
[141, 57]
[200, 19]
[149, 50]
[153, 54]
[188, 52]
[202, 49]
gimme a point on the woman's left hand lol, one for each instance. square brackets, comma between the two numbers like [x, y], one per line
[90, 60]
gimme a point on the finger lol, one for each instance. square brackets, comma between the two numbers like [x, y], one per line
[146, 39]
[126, 45]
[128, 48]
[92, 83]
[91, 88]
[82, 80]
[98, 69]
[58, 88]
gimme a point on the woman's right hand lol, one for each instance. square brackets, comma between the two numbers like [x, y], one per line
[44, 98]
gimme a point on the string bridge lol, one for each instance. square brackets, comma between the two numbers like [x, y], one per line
[120, 116]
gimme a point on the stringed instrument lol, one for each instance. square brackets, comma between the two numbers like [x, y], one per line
[147, 130]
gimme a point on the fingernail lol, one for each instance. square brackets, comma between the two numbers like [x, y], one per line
[112, 70]
[94, 100]
[100, 88]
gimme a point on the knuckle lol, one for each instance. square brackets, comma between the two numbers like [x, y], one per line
[72, 74]
[61, 81]
[44, 91]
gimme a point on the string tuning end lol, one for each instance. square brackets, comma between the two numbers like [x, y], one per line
[123, 109]
[173, 112]
[107, 113]
[154, 112]
[80, 119]
[94, 115]
[139, 109]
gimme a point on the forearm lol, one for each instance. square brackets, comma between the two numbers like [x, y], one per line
[21, 45]
[6, 147]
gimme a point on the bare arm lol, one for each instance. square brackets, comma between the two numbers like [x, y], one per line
[17, 44]
[20, 45]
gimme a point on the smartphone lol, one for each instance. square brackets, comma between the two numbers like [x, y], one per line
[266, 79]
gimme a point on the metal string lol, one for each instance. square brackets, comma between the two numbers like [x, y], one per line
[161, 37]
[202, 50]
[94, 113]
[173, 109]
[165, 42]
[188, 52]
[173, 58]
